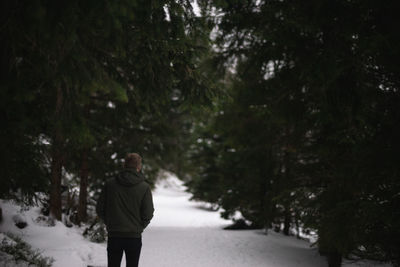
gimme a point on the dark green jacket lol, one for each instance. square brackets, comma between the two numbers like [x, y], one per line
[126, 204]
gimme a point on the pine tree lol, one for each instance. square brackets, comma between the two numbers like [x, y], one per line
[101, 74]
[319, 82]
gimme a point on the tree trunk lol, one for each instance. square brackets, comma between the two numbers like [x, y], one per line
[286, 223]
[328, 249]
[297, 222]
[334, 259]
[82, 208]
[287, 215]
[56, 174]
[57, 160]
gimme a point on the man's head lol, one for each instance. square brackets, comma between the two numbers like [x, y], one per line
[133, 161]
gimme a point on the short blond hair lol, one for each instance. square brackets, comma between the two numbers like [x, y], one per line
[133, 160]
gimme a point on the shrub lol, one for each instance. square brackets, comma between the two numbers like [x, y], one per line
[21, 251]
[96, 232]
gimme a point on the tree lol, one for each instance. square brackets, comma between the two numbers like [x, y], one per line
[100, 72]
[318, 81]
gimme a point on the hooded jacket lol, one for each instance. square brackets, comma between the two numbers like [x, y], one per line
[126, 204]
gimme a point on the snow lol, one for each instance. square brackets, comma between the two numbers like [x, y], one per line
[174, 209]
[182, 233]
[66, 245]
[210, 246]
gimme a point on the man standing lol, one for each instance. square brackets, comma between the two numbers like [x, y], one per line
[126, 207]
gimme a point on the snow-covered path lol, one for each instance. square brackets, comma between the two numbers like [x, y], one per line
[182, 234]
[211, 246]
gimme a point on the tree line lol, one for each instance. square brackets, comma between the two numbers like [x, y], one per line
[83, 83]
[308, 138]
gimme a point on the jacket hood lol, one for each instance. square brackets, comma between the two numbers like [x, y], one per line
[129, 177]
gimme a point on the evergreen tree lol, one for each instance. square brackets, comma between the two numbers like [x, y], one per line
[102, 77]
[314, 83]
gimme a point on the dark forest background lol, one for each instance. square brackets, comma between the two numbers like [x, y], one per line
[286, 111]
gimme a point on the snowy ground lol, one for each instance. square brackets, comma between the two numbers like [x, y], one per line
[182, 234]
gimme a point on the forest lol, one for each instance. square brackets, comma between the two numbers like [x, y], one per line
[285, 112]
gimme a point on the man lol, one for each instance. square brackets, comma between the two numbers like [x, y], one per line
[126, 207]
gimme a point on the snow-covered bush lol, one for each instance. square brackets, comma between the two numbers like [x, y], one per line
[96, 232]
[45, 220]
[19, 221]
[22, 252]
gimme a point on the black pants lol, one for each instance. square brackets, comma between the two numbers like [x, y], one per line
[117, 245]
